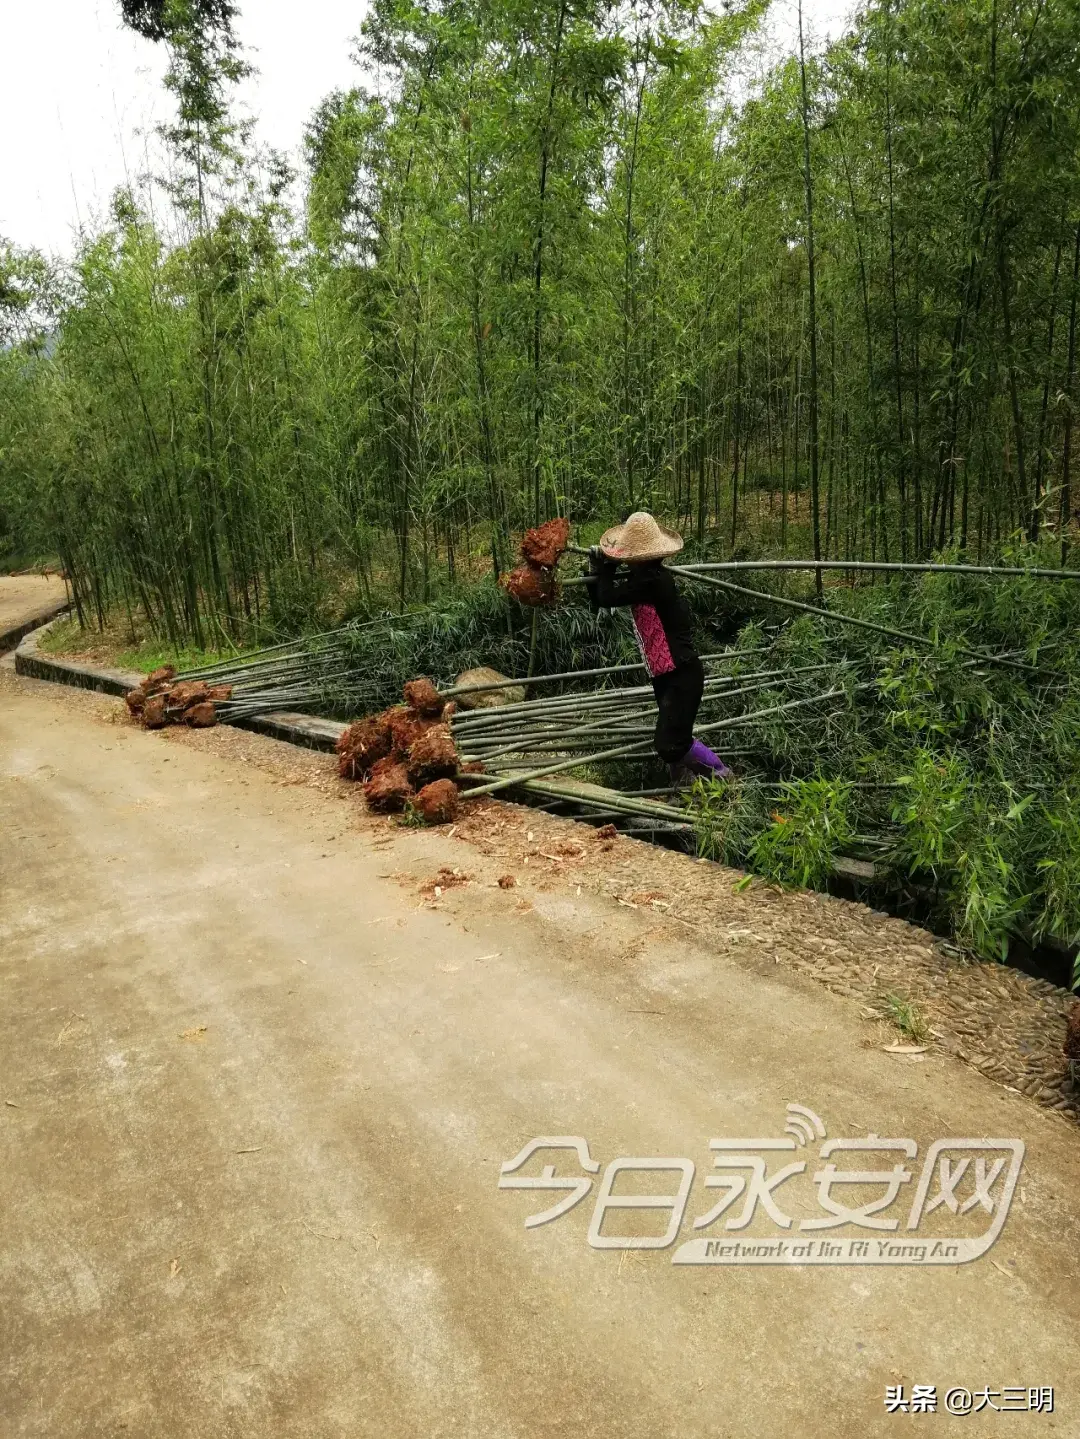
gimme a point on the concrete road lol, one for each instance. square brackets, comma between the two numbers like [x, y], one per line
[25, 597]
[254, 1097]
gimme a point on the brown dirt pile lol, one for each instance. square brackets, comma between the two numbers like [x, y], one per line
[406, 727]
[201, 716]
[438, 884]
[179, 697]
[533, 583]
[530, 586]
[158, 701]
[153, 712]
[433, 756]
[362, 745]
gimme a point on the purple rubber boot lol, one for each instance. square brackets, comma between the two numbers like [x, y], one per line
[698, 762]
[701, 760]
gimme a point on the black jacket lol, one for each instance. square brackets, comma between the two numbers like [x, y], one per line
[650, 591]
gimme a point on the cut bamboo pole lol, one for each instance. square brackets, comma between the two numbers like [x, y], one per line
[716, 688]
[887, 566]
[624, 752]
[890, 567]
[568, 737]
[454, 691]
[824, 614]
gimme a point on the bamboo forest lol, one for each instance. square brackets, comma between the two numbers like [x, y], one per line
[569, 260]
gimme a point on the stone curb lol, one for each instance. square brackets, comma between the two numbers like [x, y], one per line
[308, 731]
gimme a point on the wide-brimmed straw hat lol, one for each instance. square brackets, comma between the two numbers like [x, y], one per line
[640, 538]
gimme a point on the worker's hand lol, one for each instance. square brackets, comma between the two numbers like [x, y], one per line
[598, 561]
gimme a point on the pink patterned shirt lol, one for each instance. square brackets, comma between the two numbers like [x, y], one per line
[652, 640]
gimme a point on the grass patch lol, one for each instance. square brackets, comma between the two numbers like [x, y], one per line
[118, 647]
[907, 1019]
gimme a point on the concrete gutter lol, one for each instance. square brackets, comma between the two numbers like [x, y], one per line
[308, 731]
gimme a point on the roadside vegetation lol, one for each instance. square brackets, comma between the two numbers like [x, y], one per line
[956, 779]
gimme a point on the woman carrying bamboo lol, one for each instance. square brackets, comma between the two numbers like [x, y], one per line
[663, 628]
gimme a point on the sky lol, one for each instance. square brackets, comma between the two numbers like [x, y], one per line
[80, 96]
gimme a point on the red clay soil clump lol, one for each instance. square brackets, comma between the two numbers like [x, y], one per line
[437, 801]
[406, 728]
[153, 712]
[433, 755]
[158, 702]
[422, 697]
[533, 583]
[388, 790]
[200, 716]
[530, 586]
[362, 745]
[543, 545]
[180, 697]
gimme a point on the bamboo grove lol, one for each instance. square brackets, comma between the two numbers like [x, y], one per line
[559, 256]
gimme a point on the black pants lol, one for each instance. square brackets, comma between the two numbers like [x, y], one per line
[678, 695]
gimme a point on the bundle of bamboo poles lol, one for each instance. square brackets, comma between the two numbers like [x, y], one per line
[537, 738]
[318, 671]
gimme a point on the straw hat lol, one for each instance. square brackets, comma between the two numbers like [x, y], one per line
[640, 538]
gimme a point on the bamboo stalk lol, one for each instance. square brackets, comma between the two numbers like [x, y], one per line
[565, 737]
[473, 720]
[824, 614]
[612, 800]
[888, 567]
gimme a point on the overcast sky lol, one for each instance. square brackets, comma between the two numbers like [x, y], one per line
[79, 95]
